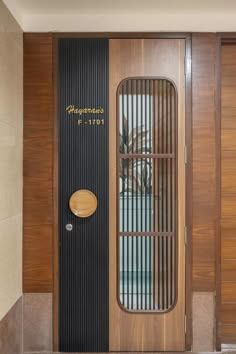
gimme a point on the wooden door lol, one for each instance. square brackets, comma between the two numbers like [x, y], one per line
[146, 86]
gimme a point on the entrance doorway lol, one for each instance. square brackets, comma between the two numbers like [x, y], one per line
[121, 105]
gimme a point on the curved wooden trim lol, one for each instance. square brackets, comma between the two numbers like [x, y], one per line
[188, 216]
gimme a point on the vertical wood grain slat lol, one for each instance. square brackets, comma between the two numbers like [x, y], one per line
[204, 161]
[38, 163]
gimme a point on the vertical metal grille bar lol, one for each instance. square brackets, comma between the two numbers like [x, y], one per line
[150, 198]
[132, 217]
[136, 199]
[141, 199]
[145, 189]
[155, 217]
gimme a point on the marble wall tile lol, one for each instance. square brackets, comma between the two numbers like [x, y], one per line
[11, 330]
[203, 314]
[37, 332]
[10, 262]
[11, 159]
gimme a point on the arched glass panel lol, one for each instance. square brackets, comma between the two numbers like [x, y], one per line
[147, 194]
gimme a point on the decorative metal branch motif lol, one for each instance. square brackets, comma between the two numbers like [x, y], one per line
[137, 142]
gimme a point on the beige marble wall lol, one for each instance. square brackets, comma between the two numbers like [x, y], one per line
[11, 339]
[11, 122]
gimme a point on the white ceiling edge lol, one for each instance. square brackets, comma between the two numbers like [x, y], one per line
[201, 22]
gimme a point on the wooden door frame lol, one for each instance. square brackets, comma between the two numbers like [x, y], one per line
[222, 38]
[188, 131]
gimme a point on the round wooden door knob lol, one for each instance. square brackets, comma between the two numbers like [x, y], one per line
[83, 203]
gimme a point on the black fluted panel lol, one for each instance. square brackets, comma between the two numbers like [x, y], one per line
[83, 164]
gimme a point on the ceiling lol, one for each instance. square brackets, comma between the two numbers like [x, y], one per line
[124, 15]
[110, 6]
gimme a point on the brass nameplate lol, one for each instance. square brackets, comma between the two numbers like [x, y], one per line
[72, 109]
[91, 122]
[88, 121]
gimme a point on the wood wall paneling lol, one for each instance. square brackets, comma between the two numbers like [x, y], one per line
[228, 334]
[38, 163]
[228, 193]
[204, 161]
